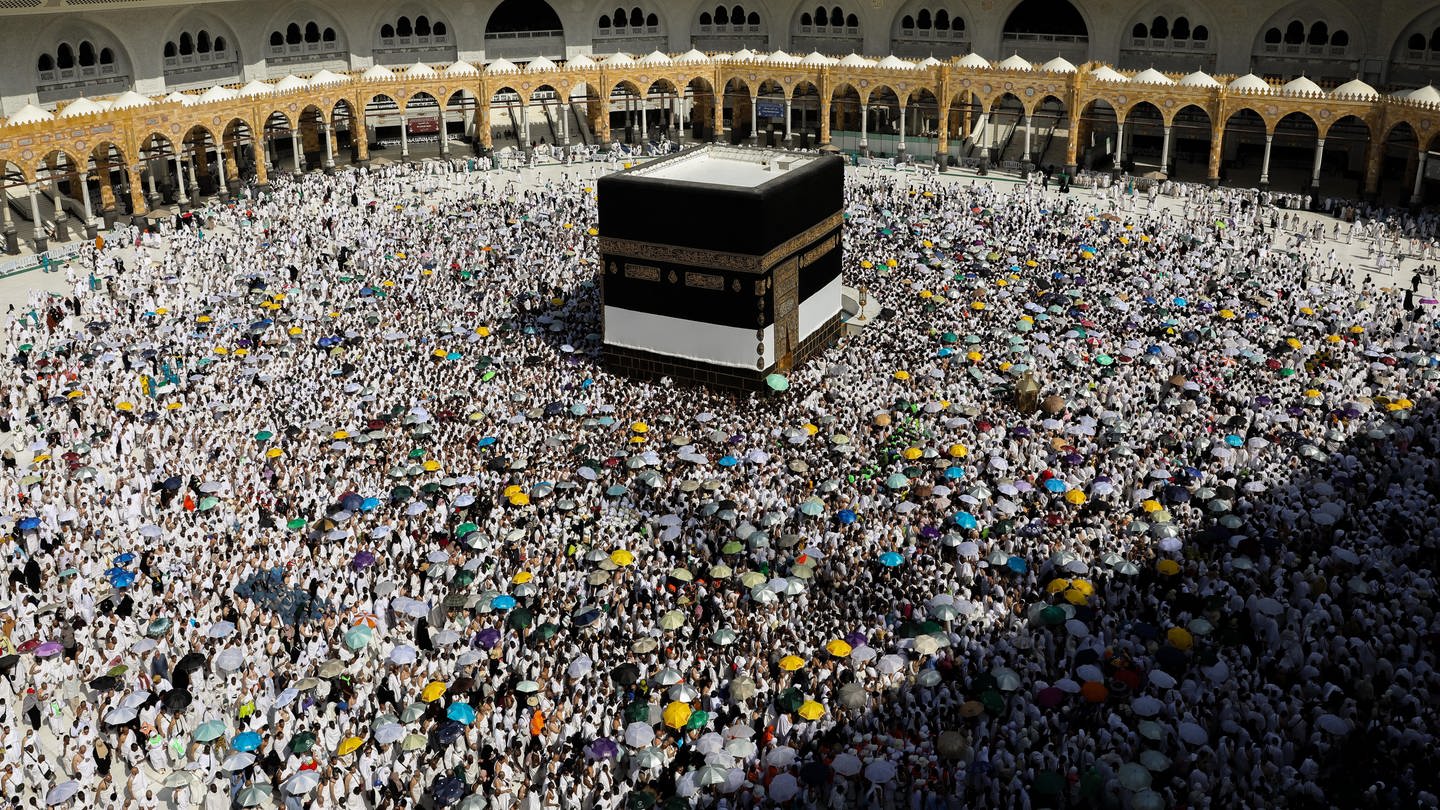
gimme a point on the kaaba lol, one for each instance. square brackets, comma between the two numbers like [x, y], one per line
[721, 264]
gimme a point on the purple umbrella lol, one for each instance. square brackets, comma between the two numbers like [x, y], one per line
[363, 560]
[604, 748]
[856, 639]
[487, 638]
[1262, 401]
[47, 649]
[1050, 697]
[1020, 431]
[1295, 410]
[1072, 458]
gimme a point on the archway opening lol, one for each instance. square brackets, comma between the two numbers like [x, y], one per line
[524, 30]
[1042, 29]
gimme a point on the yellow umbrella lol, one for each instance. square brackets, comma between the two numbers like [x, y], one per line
[348, 746]
[203, 319]
[1227, 314]
[891, 263]
[1031, 263]
[431, 465]
[621, 556]
[295, 330]
[519, 499]
[593, 232]
[977, 305]
[127, 407]
[162, 311]
[790, 663]
[640, 427]
[1075, 497]
[522, 578]
[482, 331]
[432, 691]
[1357, 330]
[1057, 585]
[340, 434]
[387, 283]
[274, 452]
[1168, 567]
[1292, 343]
[1311, 393]
[1332, 338]
[221, 350]
[676, 715]
[810, 710]
[1151, 505]
[867, 264]
[974, 357]
[810, 429]
[838, 648]
[1075, 597]
[174, 406]
[1180, 638]
[926, 294]
[1082, 586]
[958, 451]
[912, 453]
[512, 490]
[902, 375]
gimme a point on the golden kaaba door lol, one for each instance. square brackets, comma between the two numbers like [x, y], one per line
[787, 314]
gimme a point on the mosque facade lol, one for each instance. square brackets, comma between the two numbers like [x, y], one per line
[155, 103]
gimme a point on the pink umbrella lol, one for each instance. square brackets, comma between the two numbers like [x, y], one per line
[47, 649]
[1050, 697]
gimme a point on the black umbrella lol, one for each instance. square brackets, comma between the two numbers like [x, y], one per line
[104, 683]
[172, 483]
[176, 700]
[191, 662]
[625, 674]
[447, 790]
[447, 733]
[815, 773]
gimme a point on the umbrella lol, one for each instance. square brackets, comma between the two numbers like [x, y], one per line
[246, 741]
[62, 793]
[783, 788]
[301, 783]
[880, 771]
[461, 713]
[210, 731]
[254, 795]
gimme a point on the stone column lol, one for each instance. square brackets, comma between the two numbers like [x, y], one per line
[1265, 160]
[1418, 194]
[195, 181]
[103, 177]
[900, 148]
[297, 150]
[1217, 151]
[755, 119]
[444, 135]
[1165, 151]
[181, 198]
[720, 116]
[1119, 143]
[864, 129]
[641, 105]
[789, 135]
[155, 199]
[824, 121]
[325, 138]
[42, 242]
[404, 136]
[138, 206]
[83, 179]
[262, 171]
[222, 169]
[7, 225]
[1319, 159]
[525, 126]
[942, 140]
[1028, 158]
[62, 219]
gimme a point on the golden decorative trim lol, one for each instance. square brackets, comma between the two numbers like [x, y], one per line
[809, 257]
[705, 281]
[642, 272]
[717, 259]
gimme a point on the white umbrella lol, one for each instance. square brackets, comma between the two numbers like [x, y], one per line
[846, 764]
[890, 664]
[302, 782]
[880, 771]
[239, 761]
[403, 655]
[389, 733]
[230, 659]
[782, 757]
[1146, 706]
[220, 629]
[120, 716]
[639, 735]
[783, 788]
[580, 666]
[1333, 724]
[62, 793]
[1193, 733]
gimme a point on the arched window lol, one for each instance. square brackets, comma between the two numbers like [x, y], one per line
[1160, 29]
[64, 56]
[277, 40]
[806, 19]
[637, 18]
[942, 20]
[403, 27]
[219, 45]
[1435, 40]
[437, 29]
[837, 17]
[1319, 34]
[293, 36]
[87, 54]
[187, 44]
[107, 56]
[922, 21]
[958, 24]
[387, 31]
[422, 26]
[46, 63]
[1416, 42]
[737, 15]
[753, 18]
[722, 16]
[652, 21]
[1340, 39]
[170, 50]
[1139, 31]
[852, 21]
[706, 19]
[202, 42]
[312, 32]
[1272, 37]
[328, 35]
[1181, 28]
[604, 24]
[907, 23]
[1202, 34]
[1295, 33]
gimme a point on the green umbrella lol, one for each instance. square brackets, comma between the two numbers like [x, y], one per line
[697, 720]
[295, 523]
[992, 701]
[790, 700]
[430, 488]
[264, 436]
[302, 742]
[547, 630]
[519, 619]
[1104, 360]
[1052, 615]
[418, 452]
[1049, 783]
[463, 578]
[950, 337]
[777, 382]
[402, 493]
[488, 376]
[210, 731]
[732, 547]
[208, 502]
[117, 670]
[637, 712]
[358, 636]
[465, 528]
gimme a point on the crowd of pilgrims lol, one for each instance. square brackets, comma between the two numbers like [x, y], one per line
[323, 498]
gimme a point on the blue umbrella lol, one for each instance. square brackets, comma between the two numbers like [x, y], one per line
[1181, 302]
[728, 461]
[447, 732]
[351, 502]
[954, 473]
[945, 352]
[447, 790]
[1017, 565]
[965, 520]
[846, 516]
[1055, 485]
[891, 559]
[369, 504]
[124, 559]
[247, 741]
[485, 441]
[123, 580]
[461, 713]
[503, 602]
[29, 523]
